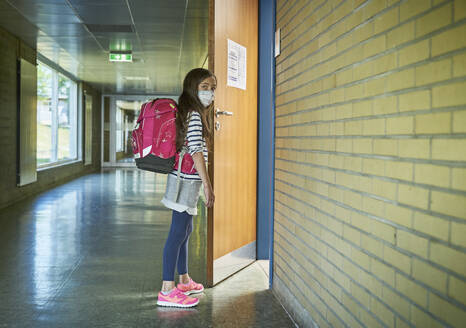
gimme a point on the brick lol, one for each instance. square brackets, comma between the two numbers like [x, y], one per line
[414, 196]
[362, 146]
[412, 101]
[397, 259]
[384, 231]
[400, 35]
[447, 311]
[457, 289]
[372, 245]
[450, 204]
[411, 8]
[361, 295]
[400, 80]
[385, 63]
[448, 257]
[386, 147]
[373, 7]
[459, 178]
[412, 243]
[362, 108]
[363, 71]
[434, 72]
[374, 46]
[434, 20]
[413, 291]
[385, 105]
[432, 174]
[399, 215]
[376, 166]
[375, 86]
[459, 122]
[354, 92]
[373, 127]
[431, 225]
[449, 40]
[400, 125]
[362, 259]
[396, 302]
[399, 170]
[422, 319]
[386, 20]
[374, 206]
[383, 312]
[344, 77]
[413, 53]
[433, 123]
[449, 95]
[384, 189]
[352, 235]
[460, 10]
[447, 149]
[459, 65]
[429, 275]
[383, 272]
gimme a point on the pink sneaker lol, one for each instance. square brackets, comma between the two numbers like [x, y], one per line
[177, 299]
[191, 288]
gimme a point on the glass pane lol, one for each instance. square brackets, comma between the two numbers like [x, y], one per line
[44, 114]
[64, 118]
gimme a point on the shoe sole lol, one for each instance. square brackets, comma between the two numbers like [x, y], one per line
[170, 304]
[194, 291]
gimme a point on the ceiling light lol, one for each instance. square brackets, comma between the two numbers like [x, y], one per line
[136, 78]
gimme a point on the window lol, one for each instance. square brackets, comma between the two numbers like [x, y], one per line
[119, 130]
[57, 119]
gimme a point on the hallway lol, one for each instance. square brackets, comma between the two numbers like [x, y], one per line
[88, 254]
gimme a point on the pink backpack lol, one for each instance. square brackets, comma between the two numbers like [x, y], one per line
[154, 139]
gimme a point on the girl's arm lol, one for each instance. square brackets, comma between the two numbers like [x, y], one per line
[199, 164]
[196, 149]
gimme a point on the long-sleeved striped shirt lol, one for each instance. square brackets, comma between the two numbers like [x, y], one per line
[195, 143]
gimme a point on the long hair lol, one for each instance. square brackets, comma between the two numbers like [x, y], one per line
[188, 102]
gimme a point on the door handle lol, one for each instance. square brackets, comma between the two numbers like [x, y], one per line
[219, 112]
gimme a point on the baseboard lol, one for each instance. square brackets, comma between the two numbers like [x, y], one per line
[295, 310]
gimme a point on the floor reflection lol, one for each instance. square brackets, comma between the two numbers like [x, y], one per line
[89, 254]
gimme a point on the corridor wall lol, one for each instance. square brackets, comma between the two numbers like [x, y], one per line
[370, 164]
[12, 48]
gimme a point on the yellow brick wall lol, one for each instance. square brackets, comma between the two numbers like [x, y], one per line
[370, 168]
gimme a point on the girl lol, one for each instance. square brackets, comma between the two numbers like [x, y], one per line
[182, 193]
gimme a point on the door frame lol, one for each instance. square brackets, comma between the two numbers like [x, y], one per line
[266, 134]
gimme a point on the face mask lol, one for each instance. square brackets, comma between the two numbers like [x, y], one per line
[206, 97]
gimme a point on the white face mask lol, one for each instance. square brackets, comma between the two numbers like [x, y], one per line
[206, 97]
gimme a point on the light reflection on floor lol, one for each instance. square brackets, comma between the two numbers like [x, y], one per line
[88, 254]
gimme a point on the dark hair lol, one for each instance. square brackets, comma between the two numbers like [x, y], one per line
[188, 102]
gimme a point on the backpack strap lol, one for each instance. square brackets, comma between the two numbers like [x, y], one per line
[184, 150]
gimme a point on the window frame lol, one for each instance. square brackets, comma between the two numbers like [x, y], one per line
[75, 94]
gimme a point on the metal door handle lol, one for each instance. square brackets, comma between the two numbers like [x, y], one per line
[219, 112]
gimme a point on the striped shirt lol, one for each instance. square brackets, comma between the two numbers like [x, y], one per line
[195, 142]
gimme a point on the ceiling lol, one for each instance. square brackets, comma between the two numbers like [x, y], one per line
[167, 39]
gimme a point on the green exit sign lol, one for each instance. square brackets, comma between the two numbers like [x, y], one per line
[120, 57]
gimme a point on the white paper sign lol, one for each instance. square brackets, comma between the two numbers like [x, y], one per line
[236, 71]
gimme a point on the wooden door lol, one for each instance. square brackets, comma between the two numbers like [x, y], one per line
[233, 163]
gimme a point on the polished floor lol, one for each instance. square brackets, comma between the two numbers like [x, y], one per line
[88, 254]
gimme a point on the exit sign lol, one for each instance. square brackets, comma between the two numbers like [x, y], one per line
[120, 57]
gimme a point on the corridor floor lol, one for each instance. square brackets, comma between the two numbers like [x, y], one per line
[88, 254]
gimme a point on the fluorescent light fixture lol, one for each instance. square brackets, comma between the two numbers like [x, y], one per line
[136, 78]
[115, 57]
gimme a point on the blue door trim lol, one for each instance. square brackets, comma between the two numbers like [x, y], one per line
[266, 133]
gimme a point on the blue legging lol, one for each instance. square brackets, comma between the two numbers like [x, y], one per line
[176, 247]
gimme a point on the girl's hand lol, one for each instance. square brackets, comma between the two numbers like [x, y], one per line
[209, 195]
